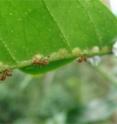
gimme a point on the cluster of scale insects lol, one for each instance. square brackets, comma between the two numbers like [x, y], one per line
[37, 62]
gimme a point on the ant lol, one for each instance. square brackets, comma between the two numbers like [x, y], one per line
[4, 74]
[40, 61]
[82, 58]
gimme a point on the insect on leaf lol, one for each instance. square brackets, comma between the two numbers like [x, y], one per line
[39, 35]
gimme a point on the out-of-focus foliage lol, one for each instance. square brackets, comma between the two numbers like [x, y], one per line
[73, 94]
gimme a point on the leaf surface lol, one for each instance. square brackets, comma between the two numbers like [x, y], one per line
[58, 29]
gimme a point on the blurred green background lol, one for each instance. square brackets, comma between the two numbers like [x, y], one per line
[73, 94]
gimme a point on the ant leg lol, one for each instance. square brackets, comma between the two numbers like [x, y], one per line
[8, 72]
[4, 74]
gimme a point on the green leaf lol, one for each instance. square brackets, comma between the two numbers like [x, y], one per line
[56, 31]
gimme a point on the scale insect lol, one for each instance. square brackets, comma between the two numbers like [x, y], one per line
[6, 73]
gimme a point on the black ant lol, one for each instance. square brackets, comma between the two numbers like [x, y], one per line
[4, 74]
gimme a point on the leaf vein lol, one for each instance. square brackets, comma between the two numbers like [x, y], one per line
[65, 39]
[97, 32]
